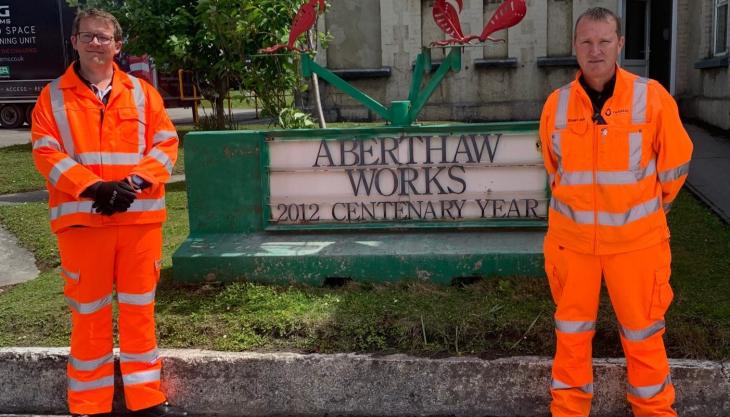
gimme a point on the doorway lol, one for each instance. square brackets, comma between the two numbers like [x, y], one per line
[649, 30]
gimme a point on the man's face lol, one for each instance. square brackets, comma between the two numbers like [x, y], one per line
[597, 47]
[100, 51]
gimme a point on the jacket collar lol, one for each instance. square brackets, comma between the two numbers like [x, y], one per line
[120, 83]
[624, 84]
[624, 79]
[70, 79]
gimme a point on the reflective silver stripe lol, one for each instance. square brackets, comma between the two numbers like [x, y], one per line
[561, 117]
[576, 178]
[139, 101]
[92, 307]
[635, 140]
[103, 382]
[615, 177]
[91, 365]
[61, 166]
[108, 158]
[71, 207]
[141, 377]
[575, 326]
[147, 357]
[649, 170]
[59, 114]
[674, 173]
[580, 217]
[667, 207]
[136, 299]
[71, 275]
[608, 177]
[46, 141]
[147, 205]
[75, 207]
[163, 135]
[649, 391]
[162, 158]
[556, 150]
[635, 213]
[558, 385]
[638, 105]
[642, 334]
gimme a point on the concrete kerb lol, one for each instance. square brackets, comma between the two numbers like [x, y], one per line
[275, 384]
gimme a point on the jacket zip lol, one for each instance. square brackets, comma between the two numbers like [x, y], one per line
[595, 188]
[596, 138]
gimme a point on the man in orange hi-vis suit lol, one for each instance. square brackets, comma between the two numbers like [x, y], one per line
[616, 154]
[105, 145]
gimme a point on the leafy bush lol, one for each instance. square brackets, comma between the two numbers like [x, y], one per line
[292, 118]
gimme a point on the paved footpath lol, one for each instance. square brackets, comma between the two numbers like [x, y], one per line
[709, 170]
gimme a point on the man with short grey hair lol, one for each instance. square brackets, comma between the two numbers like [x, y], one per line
[617, 155]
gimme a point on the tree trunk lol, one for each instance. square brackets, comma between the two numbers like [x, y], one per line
[220, 112]
[315, 87]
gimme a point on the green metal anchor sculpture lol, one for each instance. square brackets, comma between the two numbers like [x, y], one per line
[403, 113]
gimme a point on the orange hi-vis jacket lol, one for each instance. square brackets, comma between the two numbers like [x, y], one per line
[77, 141]
[612, 183]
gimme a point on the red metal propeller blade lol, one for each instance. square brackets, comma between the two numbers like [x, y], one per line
[303, 21]
[508, 14]
[447, 18]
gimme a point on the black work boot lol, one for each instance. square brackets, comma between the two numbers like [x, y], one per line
[160, 410]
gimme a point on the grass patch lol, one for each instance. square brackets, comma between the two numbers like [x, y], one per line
[29, 223]
[18, 173]
[491, 318]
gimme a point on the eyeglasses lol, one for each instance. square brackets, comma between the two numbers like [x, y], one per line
[87, 37]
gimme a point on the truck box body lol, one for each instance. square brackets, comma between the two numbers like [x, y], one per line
[34, 50]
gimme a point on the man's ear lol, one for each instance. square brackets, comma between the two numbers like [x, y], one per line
[621, 41]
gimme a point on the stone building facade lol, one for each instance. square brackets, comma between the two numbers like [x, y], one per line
[681, 43]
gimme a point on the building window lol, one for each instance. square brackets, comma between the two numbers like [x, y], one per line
[494, 49]
[719, 26]
[355, 26]
[559, 28]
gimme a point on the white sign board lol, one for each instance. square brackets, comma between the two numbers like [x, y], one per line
[455, 177]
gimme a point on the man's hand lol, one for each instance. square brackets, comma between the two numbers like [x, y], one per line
[110, 196]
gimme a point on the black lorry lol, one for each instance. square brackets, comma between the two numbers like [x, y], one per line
[34, 50]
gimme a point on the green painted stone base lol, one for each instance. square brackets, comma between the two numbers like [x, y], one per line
[372, 257]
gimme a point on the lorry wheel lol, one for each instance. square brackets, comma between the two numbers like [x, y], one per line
[29, 113]
[11, 116]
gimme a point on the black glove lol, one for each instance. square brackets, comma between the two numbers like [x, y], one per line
[110, 196]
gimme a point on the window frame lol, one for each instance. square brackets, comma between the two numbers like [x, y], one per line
[717, 4]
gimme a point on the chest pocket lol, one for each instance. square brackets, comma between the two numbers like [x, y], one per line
[576, 146]
[129, 127]
[625, 148]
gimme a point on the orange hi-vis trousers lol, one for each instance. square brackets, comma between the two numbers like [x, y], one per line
[92, 260]
[638, 285]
